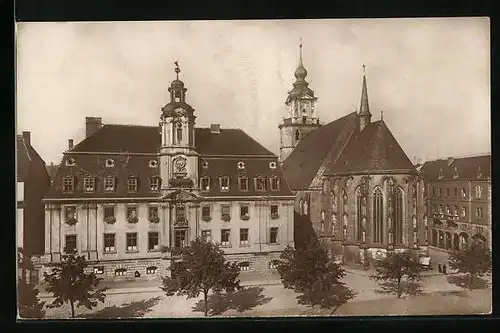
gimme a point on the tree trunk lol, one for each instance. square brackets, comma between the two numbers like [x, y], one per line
[334, 309]
[471, 281]
[205, 295]
[72, 309]
[399, 287]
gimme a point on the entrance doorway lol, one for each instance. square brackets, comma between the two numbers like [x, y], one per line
[180, 238]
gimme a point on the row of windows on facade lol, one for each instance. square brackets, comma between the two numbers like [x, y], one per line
[394, 232]
[180, 212]
[180, 240]
[450, 241]
[89, 184]
[438, 210]
[438, 192]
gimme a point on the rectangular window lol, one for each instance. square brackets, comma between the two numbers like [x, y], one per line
[180, 212]
[153, 212]
[154, 184]
[274, 235]
[243, 236]
[153, 241]
[440, 192]
[109, 243]
[243, 183]
[120, 272]
[244, 211]
[225, 237]
[225, 211]
[433, 191]
[464, 211]
[206, 235]
[70, 243]
[274, 211]
[98, 270]
[70, 213]
[205, 183]
[109, 211]
[479, 212]
[260, 184]
[479, 192]
[131, 212]
[274, 184]
[244, 266]
[132, 241]
[205, 211]
[109, 184]
[151, 270]
[89, 184]
[224, 183]
[132, 184]
[180, 238]
[447, 191]
[68, 184]
[456, 191]
[464, 193]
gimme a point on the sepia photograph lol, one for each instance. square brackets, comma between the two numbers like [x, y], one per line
[253, 168]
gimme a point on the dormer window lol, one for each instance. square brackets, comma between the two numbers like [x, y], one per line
[456, 172]
[153, 163]
[110, 163]
[109, 184]
[204, 164]
[68, 184]
[89, 184]
[205, 183]
[132, 184]
[224, 183]
[241, 165]
[260, 184]
[70, 162]
[479, 192]
[154, 184]
[479, 173]
[440, 174]
[275, 184]
[272, 165]
[243, 183]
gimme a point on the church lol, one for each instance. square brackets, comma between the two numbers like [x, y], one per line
[355, 186]
[126, 192]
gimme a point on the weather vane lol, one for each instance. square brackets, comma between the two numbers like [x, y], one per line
[177, 69]
[364, 69]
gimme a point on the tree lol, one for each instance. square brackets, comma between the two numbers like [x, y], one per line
[310, 272]
[202, 268]
[394, 269]
[474, 261]
[29, 304]
[69, 283]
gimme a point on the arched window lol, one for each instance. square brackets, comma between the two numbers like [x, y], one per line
[179, 132]
[378, 216]
[359, 214]
[334, 201]
[398, 215]
[344, 201]
[297, 135]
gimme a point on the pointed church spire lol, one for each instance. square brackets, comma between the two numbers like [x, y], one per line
[300, 72]
[364, 109]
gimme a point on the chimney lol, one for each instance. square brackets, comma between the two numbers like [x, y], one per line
[215, 128]
[27, 137]
[70, 144]
[92, 124]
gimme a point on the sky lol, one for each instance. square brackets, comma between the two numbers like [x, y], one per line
[430, 77]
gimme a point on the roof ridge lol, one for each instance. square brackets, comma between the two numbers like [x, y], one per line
[26, 148]
[129, 125]
[459, 157]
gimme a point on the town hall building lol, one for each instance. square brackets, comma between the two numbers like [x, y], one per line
[353, 182]
[126, 192]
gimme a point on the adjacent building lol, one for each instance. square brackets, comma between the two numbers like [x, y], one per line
[125, 192]
[459, 201]
[353, 182]
[32, 184]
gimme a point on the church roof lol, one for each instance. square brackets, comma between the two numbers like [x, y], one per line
[341, 148]
[468, 168]
[372, 150]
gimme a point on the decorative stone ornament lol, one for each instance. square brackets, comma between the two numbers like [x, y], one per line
[181, 222]
[154, 219]
[275, 216]
[110, 219]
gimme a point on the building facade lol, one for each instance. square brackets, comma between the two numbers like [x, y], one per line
[126, 192]
[356, 186]
[459, 201]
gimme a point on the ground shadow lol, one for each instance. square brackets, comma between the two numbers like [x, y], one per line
[411, 288]
[241, 300]
[127, 310]
[462, 281]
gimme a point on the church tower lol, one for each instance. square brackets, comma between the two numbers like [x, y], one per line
[178, 158]
[301, 108]
[365, 117]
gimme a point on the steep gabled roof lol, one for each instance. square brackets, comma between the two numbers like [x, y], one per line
[302, 165]
[26, 156]
[467, 168]
[372, 150]
[147, 139]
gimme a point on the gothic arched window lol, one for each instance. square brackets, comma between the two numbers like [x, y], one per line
[359, 214]
[378, 216]
[344, 201]
[398, 215]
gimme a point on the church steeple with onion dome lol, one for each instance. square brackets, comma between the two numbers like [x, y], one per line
[301, 107]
